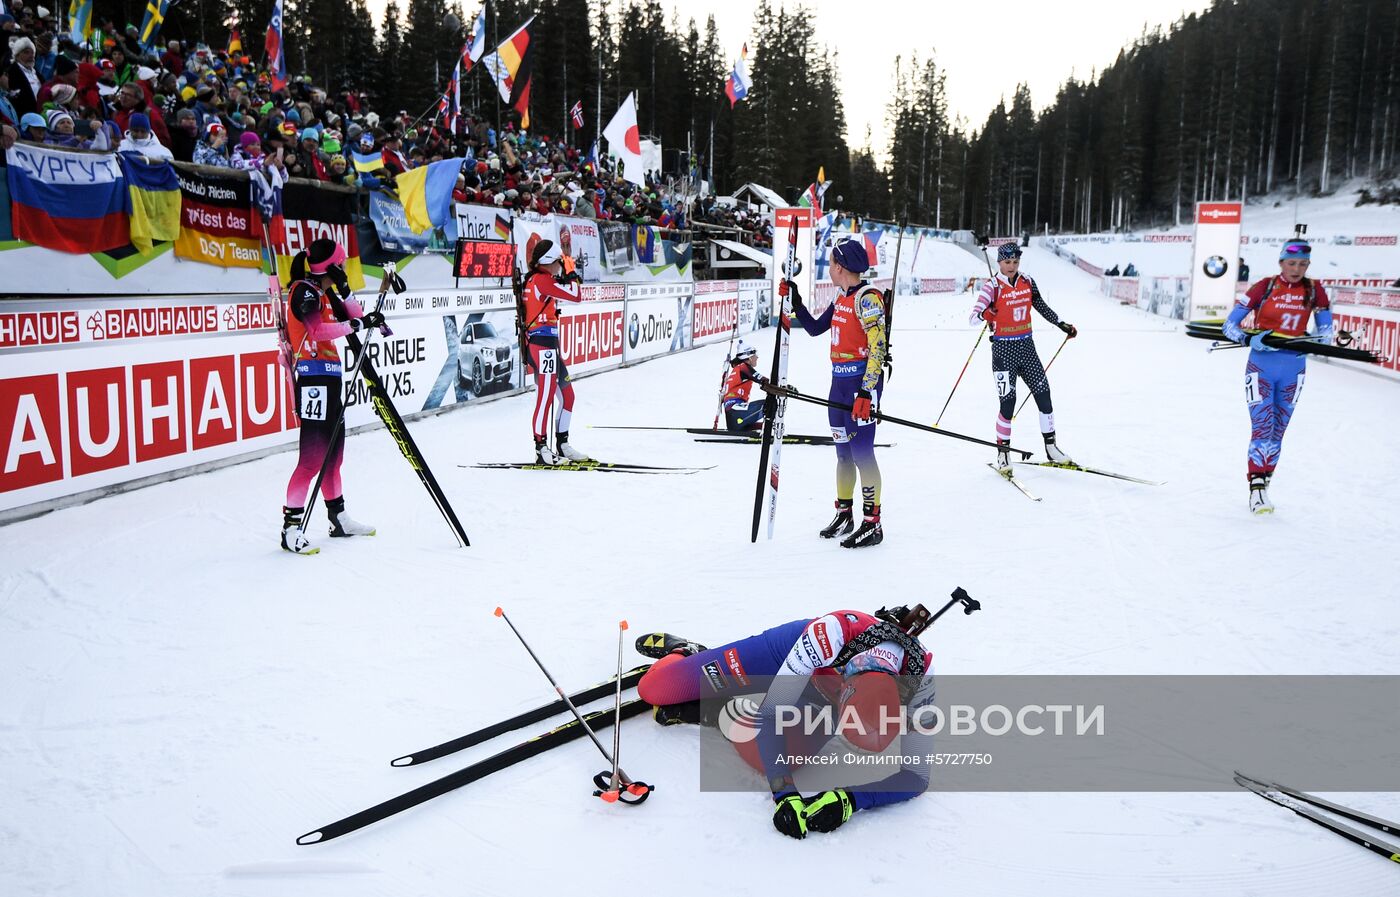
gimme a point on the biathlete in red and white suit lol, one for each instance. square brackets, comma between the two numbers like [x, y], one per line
[858, 346]
[847, 657]
[1273, 378]
[1005, 303]
[545, 287]
[740, 413]
[321, 309]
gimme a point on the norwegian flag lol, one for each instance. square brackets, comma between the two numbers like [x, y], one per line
[576, 114]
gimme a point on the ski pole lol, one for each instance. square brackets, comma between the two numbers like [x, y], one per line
[980, 333]
[564, 696]
[613, 791]
[391, 278]
[1047, 367]
[789, 392]
[960, 596]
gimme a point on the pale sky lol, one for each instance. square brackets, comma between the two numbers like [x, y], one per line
[986, 47]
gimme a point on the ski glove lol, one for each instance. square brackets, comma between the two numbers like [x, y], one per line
[829, 810]
[789, 287]
[1325, 334]
[1068, 328]
[1257, 343]
[1235, 333]
[341, 280]
[371, 320]
[860, 409]
[787, 815]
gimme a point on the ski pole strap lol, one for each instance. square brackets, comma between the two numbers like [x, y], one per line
[630, 793]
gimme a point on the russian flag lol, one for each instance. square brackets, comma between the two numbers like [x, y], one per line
[273, 48]
[72, 202]
[738, 84]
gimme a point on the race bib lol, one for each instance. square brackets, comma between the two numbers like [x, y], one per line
[1251, 388]
[548, 365]
[1005, 382]
[312, 403]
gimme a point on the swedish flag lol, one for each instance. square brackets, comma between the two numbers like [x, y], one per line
[150, 26]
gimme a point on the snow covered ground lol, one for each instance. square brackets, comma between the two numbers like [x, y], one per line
[182, 699]
[1272, 216]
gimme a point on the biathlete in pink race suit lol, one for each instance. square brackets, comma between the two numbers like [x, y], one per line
[1273, 378]
[846, 657]
[320, 310]
[546, 285]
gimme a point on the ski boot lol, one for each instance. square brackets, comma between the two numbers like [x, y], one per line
[292, 538]
[1054, 453]
[659, 644]
[842, 523]
[677, 714]
[342, 524]
[543, 455]
[1003, 464]
[1259, 494]
[566, 451]
[869, 532]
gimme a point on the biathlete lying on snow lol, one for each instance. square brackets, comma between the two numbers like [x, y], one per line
[866, 665]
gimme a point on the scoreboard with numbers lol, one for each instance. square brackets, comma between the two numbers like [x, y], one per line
[483, 258]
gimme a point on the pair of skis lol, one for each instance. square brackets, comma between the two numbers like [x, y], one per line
[533, 747]
[1006, 474]
[1303, 804]
[596, 466]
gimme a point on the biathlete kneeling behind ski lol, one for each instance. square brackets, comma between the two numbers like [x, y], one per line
[858, 347]
[866, 664]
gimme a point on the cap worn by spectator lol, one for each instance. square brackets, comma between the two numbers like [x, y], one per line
[187, 93]
[56, 116]
[62, 93]
[288, 130]
[213, 128]
[64, 66]
[249, 142]
[139, 121]
[330, 145]
[31, 120]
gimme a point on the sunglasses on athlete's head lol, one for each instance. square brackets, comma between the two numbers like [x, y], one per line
[1298, 249]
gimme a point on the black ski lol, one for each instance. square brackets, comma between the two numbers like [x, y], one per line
[563, 734]
[1213, 331]
[384, 407]
[788, 439]
[1298, 802]
[583, 696]
[600, 467]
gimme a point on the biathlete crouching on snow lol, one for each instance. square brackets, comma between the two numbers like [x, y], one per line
[321, 309]
[846, 657]
[740, 413]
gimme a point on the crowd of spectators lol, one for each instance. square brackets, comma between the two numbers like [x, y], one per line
[207, 106]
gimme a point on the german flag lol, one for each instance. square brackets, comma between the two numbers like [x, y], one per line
[517, 60]
[235, 43]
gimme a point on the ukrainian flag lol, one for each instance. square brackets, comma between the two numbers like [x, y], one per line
[155, 201]
[80, 21]
[426, 193]
[366, 164]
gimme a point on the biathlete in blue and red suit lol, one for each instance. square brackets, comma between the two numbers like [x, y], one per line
[740, 412]
[865, 664]
[322, 309]
[1273, 378]
[858, 348]
[546, 285]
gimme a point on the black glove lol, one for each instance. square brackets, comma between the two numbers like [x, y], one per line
[789, 288]
[371, 320]
[1068, 328]
[571, 277]
[829, 810]
[339, 278]
[787, 815]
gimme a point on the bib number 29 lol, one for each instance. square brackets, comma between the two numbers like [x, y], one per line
[548, 365]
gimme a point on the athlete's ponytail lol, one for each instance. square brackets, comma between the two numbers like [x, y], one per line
[299, 266]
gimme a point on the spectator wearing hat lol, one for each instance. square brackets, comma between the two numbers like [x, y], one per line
[32, 127]
[59, 123]
[248, 155]
[394, 161]
[24, 78]
[65, 71]
[184, 135]
[140, 138]
[213, 149]
[123, 69]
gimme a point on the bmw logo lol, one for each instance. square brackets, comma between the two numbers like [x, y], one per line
[634, 331]
[1215, 266]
